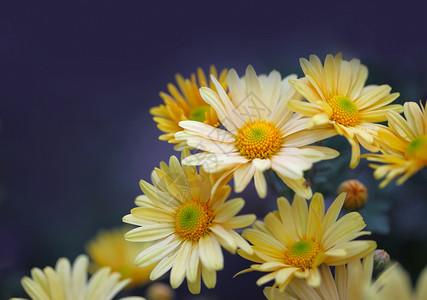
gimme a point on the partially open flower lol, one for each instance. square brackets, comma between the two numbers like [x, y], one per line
[357, 194]
[381, 260]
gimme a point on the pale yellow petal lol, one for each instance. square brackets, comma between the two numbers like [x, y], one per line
[300, 214]
[210, 253]
[179, 268]
[333, 212]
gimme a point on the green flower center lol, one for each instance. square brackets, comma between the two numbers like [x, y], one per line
[199, 113]
[344, 111]
[302, 254]
[417, 148]
[193, 220]
[258, 139]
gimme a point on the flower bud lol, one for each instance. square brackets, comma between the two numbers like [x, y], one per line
[381, 260]
[357, 194]
[160, 291]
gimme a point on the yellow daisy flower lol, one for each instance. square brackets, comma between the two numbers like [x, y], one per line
[337, 97]
[347, 282]
[110, 249]
[295, 240]
[186, 104]
[404, 145]
[395, 284]
[187, 218]
[70, 282]
[260, 133]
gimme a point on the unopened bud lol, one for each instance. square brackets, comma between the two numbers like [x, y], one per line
[357, 194]
[160, 291]
[381, 260]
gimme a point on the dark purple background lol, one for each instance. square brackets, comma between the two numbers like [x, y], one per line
[77, 81]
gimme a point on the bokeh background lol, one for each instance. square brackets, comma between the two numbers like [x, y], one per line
[77, 80]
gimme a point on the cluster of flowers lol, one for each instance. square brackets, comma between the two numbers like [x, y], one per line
[242, 127]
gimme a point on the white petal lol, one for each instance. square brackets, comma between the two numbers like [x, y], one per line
[208, 131]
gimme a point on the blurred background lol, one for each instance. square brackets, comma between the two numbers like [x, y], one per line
[77, 80]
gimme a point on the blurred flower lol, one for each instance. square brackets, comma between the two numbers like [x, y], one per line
[186, 104]
[189, 219]
[70, 282]
[110, 249]
[395, 284]
[295, 240]
[381, 260]
[356, 194]
[160, 291]
[260, 133]
[349, 282]
[404, 145]
[338, 98]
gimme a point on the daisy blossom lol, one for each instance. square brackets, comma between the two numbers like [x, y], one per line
[346, 282]
[338, 98]
[260, 133]
[295, 240]
[404, 145]
[110, 249]
[185, 103]
[67, 282]
[395, 284]
[187, 218]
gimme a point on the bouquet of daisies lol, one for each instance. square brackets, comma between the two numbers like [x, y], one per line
[268, 129]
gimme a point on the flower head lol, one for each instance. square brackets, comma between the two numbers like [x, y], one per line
[295, 240]
[260, 133]
[395, 284]
[187, 218]
[346, 282]
[338, 98]
[110, 249]
[70, 282]
[404, 145]
[186, 104]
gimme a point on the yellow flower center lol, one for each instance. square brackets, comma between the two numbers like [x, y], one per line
[199, 113]
[302, 254]
[417, 148]
[344, 111]
[258, 139]
[193, 220]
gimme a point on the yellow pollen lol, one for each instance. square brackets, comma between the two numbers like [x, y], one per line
[302, 254]
[193, 220]
[417, 148]
[344, 111]
[258, 139]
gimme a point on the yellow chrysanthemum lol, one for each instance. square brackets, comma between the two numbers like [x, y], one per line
[67, 282]
[404, 145]
[337, 97]
[395, 284]
[295, 240]
[110, 249]
[187, 217]
[186, 104]
[348, 282]
[260, 133]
